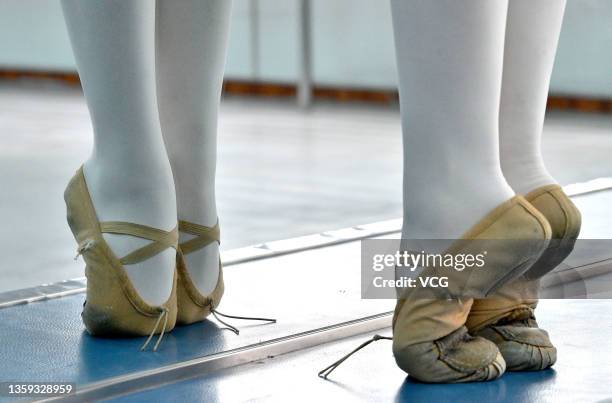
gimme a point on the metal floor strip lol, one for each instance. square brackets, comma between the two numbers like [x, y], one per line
[138, 381]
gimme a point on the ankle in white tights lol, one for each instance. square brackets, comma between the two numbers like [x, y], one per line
[532, 33]
[191, 45]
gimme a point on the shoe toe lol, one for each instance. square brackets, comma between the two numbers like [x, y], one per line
[455, 358]
[525, 348]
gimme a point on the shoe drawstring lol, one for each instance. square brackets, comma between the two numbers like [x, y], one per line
[83, 247]
[324, 373]
[163, 314]
[234, 329]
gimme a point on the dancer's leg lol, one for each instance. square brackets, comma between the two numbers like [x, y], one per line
[191, 45]
[450, 56]
[128, 174]
[532, 34]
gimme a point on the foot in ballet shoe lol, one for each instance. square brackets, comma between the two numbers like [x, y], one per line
[113, 307]
[508, 317]
[457, 357]
[430, 341]
[524, 346]
[565, 222]
[192, 305]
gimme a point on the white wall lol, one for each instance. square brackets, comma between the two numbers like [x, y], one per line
[352, 42]
[33, 35]
[584, 57]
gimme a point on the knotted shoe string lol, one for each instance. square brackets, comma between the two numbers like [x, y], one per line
[234, 329]
[204, 236]
[161, 240]
[324, 373]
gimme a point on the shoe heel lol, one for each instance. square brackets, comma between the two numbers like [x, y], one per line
[113, 307]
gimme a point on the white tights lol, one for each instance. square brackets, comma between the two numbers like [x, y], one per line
[142, 61]
[453, 77]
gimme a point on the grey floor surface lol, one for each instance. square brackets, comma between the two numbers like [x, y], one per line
[282, 172]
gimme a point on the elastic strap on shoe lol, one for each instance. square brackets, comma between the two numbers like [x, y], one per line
[204, 236]
[161, 240]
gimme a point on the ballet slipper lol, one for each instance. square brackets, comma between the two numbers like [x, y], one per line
[430, 340]
[113, 307]
[508, 317]
[192, 305]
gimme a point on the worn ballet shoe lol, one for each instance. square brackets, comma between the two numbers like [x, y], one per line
[192, 305]
[508, 317]
[430, 341]
[524, 346]
[565, 221]
[457, 357]
[113, 307]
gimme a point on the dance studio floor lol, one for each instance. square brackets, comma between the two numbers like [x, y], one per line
[282, 172]
[321, 316]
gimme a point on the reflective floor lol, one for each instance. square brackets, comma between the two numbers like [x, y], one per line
[312, 293]
[321, 287]
[282, 172]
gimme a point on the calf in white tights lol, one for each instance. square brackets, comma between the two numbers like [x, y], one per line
[140, 60]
